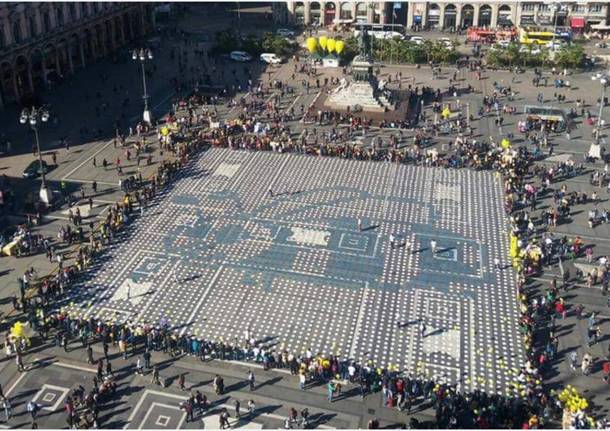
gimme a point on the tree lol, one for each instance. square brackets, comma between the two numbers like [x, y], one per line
[571, 57]
[512, 53]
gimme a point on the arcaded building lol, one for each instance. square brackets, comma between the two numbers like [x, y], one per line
[447, 14]
[42, 43]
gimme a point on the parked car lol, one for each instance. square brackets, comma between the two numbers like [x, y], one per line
[418, 40]
[241, 56]
[284, 32]
[446, 41]
[270, 58]
[33, 169]
[531, 49]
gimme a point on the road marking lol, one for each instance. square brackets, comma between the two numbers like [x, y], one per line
[293, 103]
[104, 183]
[163, 100]
[359, 319]
[203, 297]
[167, 406]
[87, 160]
[14, 385]
[183, 398]
[75, 367]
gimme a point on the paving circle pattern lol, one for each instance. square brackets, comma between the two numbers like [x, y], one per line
[295, 249]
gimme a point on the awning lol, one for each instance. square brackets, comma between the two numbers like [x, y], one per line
[577, 22]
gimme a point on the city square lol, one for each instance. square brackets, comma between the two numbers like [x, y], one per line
[304, 215]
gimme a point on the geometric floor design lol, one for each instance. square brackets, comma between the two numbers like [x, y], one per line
[217, 256]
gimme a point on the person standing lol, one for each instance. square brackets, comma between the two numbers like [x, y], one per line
[146, 356]
[181, 384]
[251, 408]
[90, 355]
[433, 246]
[251, 379]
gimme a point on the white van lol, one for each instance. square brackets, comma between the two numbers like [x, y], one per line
[270, 58]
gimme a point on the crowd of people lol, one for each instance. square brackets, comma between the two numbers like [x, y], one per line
[262, 126]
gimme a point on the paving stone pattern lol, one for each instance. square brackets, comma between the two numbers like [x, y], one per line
[217, 256]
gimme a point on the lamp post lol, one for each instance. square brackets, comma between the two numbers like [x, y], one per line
[556, 6]
[34, 116]
[604, 80]
[142, 55]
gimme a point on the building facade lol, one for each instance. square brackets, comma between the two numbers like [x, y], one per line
[447, 14]
[43, 42]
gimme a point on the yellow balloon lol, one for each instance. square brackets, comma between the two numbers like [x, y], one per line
[312, 45]
[322, 40]
[339, 46]
[330, 44]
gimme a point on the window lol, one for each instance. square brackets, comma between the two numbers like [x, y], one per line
[60, 17]
[2, 40]
[32, 27]
[72, 11]
[544, 7]
[578, 8]
[595, 8]
[16, 32]
[96, 7]
[84, 9]
[46, 21]
[529, 7]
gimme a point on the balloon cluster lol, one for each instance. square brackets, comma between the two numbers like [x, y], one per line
[325, 44]
[572, 400]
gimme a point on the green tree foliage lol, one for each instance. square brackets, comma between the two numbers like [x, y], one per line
[401, 51]
[571, 57]
[229, 40]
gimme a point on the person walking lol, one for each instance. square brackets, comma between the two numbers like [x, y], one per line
[237, 407]
[573, 361]
[139, 369]
[32, 409]
[251, 408]
[8, 409]
[422, 329]
[155, 376]
[586, 364]
[19, 361]
[433, 246]
[251, 379]
[188, 408]
[181, 384]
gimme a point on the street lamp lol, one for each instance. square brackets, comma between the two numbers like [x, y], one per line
[556, 6]
[34, 116]
[604, 80]
[142, 55]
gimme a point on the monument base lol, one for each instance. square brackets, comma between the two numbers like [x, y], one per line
[359, 96]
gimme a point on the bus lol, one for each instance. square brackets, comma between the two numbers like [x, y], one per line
[544, 37]
[380, 31]
[536, 37]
